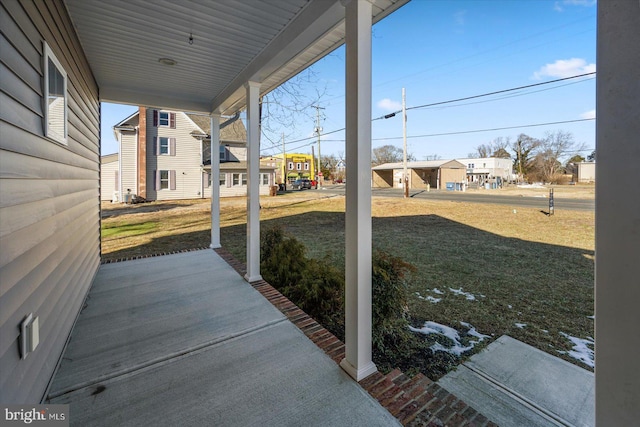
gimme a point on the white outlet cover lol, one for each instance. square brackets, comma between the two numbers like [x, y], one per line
[34, 334]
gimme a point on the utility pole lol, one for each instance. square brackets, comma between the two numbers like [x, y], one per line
[318, 131]
[404, 138]
[284, 163]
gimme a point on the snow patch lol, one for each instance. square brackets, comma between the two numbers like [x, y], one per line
[520, 325]
[582, 349]
[592, 317]
[437, 291]
[458, 347]
[469, 296]
[429, 298]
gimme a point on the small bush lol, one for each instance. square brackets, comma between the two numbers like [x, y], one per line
[317, 287]
[313, 285]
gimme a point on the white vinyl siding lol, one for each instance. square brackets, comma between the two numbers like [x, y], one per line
[50, 212]
[109, 180]
[128, 162]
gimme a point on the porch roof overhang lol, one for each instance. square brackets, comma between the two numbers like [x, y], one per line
[233, 42]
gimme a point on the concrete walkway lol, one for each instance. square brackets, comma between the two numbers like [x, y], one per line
[183, 340]
[514, 384]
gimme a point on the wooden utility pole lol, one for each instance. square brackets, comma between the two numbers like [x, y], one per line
[318, 131]
[405, 178]
[284, 163]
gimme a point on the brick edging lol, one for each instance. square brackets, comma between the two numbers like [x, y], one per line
[416, 401]
[135, 257]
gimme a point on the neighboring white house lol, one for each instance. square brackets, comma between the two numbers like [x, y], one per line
[480, 170]
[587, 172]
[166, 156]
[109, 177]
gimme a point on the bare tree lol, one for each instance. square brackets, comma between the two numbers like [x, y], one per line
[523, 148]
[496, 148]
[287, 107]
[553, 148]
[388, 154]
[432, 157]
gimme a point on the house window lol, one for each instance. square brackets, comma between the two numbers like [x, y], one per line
[164, 119]
[299, 166]
[290, 166]
[223, 180]
[239, 179]
[264, 179]
[223, 153]
[55, 83]
[165, 180]
[163, 145]
[306, 166]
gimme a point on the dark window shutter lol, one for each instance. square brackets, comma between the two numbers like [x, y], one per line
[155, 118]
[172, 180]
[172, 146]
[157, 183]
[172, 120]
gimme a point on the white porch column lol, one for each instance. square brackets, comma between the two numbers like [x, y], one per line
[215, 181]
[253, 183]
[357, 361]
[617, 214]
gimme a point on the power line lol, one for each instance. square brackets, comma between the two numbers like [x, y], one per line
[387, 116]
[464, 132]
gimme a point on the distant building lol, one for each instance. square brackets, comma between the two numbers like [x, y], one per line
[295, 166]
[484, 169]
[166, 155]
[587, 172]
[432, 173]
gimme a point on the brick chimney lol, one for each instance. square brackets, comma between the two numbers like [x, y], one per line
[142, 152]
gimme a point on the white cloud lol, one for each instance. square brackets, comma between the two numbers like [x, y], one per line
[459, 17]
[389, 105]
[591, 114]
[558, 6]
[565, 68]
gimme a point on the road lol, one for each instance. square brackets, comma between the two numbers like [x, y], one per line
[541, 203]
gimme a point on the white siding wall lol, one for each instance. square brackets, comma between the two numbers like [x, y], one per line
[50, 202]
[129, 160]
[108, 179]
[186, 162]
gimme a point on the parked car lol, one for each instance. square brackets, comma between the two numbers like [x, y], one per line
[301, 184]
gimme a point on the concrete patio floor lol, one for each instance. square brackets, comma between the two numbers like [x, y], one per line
[183, 340]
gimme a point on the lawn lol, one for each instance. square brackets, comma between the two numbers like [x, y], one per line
[485, 270]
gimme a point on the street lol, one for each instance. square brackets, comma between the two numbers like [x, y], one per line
[538, 202]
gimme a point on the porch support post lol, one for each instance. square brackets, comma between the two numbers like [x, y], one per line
[357, 362]
[215, 181]
[617, 271]
[253, 184]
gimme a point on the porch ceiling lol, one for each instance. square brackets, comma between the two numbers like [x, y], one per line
[234, 41]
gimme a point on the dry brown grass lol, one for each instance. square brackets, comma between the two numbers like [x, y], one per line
[523, 267]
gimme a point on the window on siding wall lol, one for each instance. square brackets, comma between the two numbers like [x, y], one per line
[264, 179]
[239, 179]
[165, 146]
[223, 153]
[164, 119]
[165, 180]
[55, 84]
[223, 180]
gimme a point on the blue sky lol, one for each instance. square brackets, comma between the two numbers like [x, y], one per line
[443, 50]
